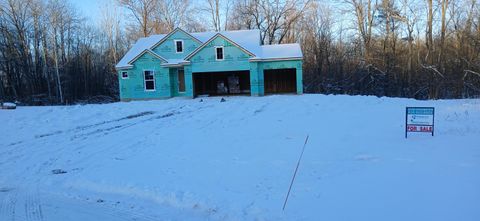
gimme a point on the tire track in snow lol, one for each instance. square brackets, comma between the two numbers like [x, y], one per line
[13, 147]
[56, 153]
[109, 130]
[33, 207]
[99, 211]
[84, 127]
[105, 131]
[8, 204]
[126, 214]
[15, 153]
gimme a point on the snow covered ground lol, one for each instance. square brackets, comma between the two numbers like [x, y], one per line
[182, 159]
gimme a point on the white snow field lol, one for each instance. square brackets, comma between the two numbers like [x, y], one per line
[182, 159]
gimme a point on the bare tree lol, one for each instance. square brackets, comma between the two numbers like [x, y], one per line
[173, 13]
[143, 12]
[410, 20]
[110, 24]
[364, 13]
[213, 8]
[56, 11]
[429, 32]
[274, 18]
[443, 30]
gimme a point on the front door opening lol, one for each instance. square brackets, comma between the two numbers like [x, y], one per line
[181, 80]
[222, 83]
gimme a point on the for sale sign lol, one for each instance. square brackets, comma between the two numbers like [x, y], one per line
[419, 119]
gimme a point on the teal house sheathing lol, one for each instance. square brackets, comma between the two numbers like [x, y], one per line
[182, 64]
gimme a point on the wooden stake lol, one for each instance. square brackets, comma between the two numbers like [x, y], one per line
[295, 173]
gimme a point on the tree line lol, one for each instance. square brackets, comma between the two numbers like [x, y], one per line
[49, 54]
[420, 49]
[52, 54]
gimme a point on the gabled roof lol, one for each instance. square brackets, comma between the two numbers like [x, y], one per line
[150, 52]
[213, 38]
[247, 40]
[171, 33]
[129, 65]
[137, 48]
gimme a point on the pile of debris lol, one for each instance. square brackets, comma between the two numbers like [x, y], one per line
[8, 106]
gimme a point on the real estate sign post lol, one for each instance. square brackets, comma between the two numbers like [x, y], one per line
[419, 119]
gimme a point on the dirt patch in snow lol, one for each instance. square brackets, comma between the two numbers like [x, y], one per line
[58, 171]
[5, 189]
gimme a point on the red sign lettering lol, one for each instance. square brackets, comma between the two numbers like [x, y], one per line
[415, 128]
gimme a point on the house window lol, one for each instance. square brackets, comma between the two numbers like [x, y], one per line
[179, 46]
[219, 53]
[181, 80]
[124, 75]
[149, 80]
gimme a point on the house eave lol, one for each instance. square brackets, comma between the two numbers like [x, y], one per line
[118, 68]
[176, 65]
[275, 59]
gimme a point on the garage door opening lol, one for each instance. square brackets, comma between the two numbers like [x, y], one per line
[221, 83]
[280, 81]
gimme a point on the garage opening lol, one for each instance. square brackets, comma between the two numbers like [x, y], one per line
[221, 83]
[280, 81]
